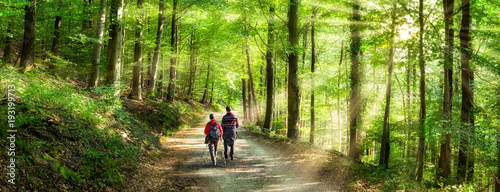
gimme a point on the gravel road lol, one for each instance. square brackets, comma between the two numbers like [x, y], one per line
[259, 164]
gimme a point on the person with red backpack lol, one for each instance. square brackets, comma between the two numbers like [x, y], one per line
[214, 132]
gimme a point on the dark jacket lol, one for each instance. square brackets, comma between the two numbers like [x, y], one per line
[229, 124]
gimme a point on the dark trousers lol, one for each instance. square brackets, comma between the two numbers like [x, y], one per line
[212, 147]
[229, 142]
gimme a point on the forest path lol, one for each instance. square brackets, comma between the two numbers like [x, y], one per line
[259, 165]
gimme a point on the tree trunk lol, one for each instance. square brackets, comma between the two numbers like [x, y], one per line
[191, 65]
[255, 103]
[195, 71]
[466, 165]
[173, 58]
[497, 184]
[205, 93]
[159, 88]
[250, 107]
[114, 45]
[269, 73]
[338, 97]
[313, 62]
[423, 107]
[212, 92]
[251, 91]
[156, 56]
[96, 53]
[28, 51]
[137, 71]
[293, 71]
[57, 35]
[355, 99]
[445, 155]
[244, 87]
[385, 144]
[9, 46]
[409, 92]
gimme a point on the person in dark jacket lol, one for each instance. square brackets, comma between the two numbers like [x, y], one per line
[229, 124]
[212, 142]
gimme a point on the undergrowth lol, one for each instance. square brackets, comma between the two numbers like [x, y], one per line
[69, 138]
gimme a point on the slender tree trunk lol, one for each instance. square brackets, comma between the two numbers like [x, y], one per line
[338, 97]
[195, 70]
[205, 93]
[445, 155]
[409, 92]
[136, 79]
[293, 71]
[122, 61]
[304, 45]
[159, 88]
[57, 35]
[173, 58]
[262, 83]
[96, 53]
[250, 107]
[156, 57]
[28, 51]
[269, 73]
[244, 87]
[114, 45]
[212, 92]
[423, 107]
[9, 46]
[250, 82]
[191, 64]
[497, 184]
[255, 103]
[385, 144]
[466, 151]
[355, 99]
[313, 62]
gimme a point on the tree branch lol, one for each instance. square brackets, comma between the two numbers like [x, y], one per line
[185, 11]
[491, 172]
[256, 31]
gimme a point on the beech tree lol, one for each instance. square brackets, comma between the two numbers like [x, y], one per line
[355, 98]
[137, 71]
[423, 107]
[96, 53]
[385, 144]
[465, 168]
[293, 70]
[269, 73]
[445, 154]
[28, 50]
[156, 57]
[115, 45]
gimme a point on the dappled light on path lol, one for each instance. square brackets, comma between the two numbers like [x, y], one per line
[258, 165]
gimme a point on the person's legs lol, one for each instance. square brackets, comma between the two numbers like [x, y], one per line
[231, 153]
[211, 147]
[215, 147]
[226, 142]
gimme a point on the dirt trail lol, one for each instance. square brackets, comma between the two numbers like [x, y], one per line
[259, 165]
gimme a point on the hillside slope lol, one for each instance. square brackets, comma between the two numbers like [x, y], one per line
[69, 138]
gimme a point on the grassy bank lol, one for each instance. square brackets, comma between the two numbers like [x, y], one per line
[69, 138]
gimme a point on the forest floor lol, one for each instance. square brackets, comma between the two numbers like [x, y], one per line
[260, 164]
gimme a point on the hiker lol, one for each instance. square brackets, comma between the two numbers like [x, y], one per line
[214, 132]
[229, 125]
